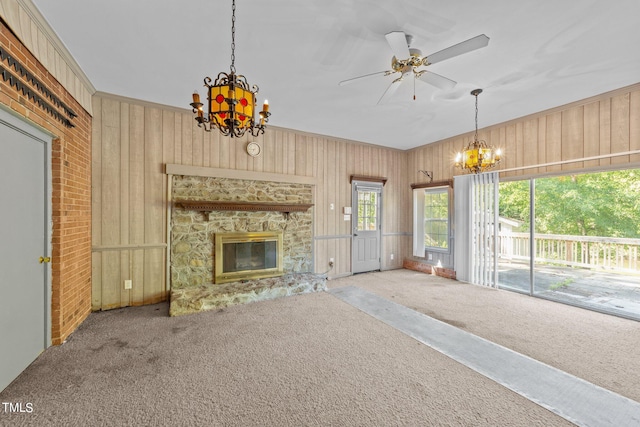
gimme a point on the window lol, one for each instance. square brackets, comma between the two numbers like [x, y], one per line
[436, 218]
[430, 220]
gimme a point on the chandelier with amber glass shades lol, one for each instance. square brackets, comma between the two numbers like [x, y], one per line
[231, 101]
[478, 156]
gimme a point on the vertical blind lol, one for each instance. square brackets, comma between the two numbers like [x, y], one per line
[476, 228]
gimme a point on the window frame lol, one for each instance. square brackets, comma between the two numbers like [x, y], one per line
[420, 248]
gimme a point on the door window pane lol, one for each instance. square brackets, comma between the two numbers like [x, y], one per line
[367, 210]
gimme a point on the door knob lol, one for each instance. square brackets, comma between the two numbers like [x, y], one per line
[44, 259]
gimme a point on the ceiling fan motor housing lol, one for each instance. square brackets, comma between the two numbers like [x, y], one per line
[404, 65]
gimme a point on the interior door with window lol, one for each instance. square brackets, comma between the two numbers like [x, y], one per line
[367, 237]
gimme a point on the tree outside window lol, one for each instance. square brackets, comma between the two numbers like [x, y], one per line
[436, 218]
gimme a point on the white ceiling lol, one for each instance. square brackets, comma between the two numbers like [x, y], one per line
[542, 54]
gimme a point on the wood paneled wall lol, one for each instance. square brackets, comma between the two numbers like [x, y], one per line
[134, 140]
[33, 30]
[597, 127]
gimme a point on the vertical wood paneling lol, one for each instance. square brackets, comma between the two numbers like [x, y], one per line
[242, 161]
[154, 207]
[620, 127]
[203, 140]
[344, 191]
[634, 125]
[154, 289]
[96, 206]
[516, 147]
[332, 194]
[138, 276]
[136, 178]
[110, 280]
[96, 281]
[214, 143]
[111, 202]
[168, 130]
[187, 140]
[110, 172]
[177, 138]
[197, 141]
[125, 294]
[32, 35]
[542, 144]
[530, 142]
[134, 141]
[290, 152]
[125, 164]
[301, 155]
[554, 140]
[591, 145]
[573, 137]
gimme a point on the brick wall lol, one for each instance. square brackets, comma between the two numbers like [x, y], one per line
[71, 185]
[424, 267]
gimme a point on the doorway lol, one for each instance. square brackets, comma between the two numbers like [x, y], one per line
[24, 232]
[366, 201]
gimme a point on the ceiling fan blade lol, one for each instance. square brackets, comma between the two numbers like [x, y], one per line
[458, 49]
[436, 80]
[398, 42]
[393, 87]
[346, 82]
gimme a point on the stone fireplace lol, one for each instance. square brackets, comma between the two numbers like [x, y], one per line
[207, 210]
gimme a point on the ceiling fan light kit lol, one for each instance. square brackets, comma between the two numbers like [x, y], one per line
[231, 101]
[478, 156]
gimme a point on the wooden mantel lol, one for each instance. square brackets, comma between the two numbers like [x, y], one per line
[242, 206]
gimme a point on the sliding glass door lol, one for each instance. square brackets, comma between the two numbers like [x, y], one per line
[585, 245]
[514, 259]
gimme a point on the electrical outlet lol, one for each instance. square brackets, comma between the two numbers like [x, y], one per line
[430, 257]
[128, 284]
[391, 256]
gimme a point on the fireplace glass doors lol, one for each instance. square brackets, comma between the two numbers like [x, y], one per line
[245, 256]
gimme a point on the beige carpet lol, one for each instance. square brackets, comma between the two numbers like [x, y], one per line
[314, 360]
[599, 348]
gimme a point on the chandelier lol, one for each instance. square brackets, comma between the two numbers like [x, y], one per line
[478, 156]
[231, 102]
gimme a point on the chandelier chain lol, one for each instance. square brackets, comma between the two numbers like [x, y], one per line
[476, 135]
[233, 37]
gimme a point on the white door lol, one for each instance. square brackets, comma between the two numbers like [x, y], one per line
[367, 237]
[24, 322]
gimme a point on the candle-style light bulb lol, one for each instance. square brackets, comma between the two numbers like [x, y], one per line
[196, 97]
[265, 106]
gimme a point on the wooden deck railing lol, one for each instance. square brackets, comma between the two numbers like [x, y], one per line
[575, 251]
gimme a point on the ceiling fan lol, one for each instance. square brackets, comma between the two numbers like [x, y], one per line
[407, 60]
